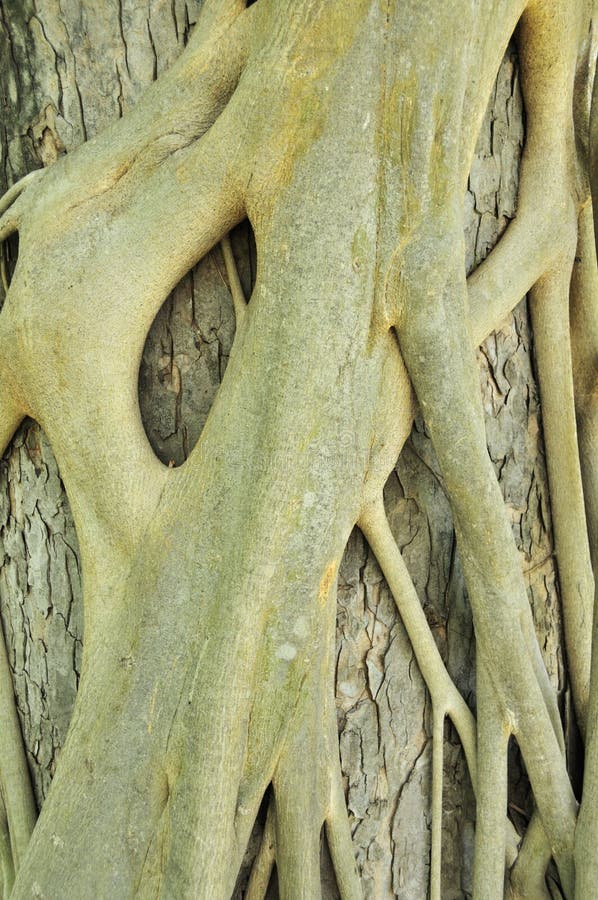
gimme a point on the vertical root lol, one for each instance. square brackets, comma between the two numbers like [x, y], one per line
[263, 864]
[15, 784]
[491, 798]
[17, 189]
[550, 319]
[7, 871]
[236, 288]
[4, 268]
[513, 266]
[437, 782]
[586, 836]
[584, 347]
[338, 834]
[298, 828]
[445, 696]
[16, 795]
[446, 699]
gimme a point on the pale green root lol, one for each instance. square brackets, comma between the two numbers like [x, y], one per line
[491, 797]
[263, 863]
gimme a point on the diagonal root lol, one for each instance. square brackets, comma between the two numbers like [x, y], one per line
[10, 209]
[446, 699]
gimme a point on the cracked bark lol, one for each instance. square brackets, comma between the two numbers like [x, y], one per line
[67, 71]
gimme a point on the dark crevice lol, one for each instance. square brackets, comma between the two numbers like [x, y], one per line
[9, 255]
[187, 351]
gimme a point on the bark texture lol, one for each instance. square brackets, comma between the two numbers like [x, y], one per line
[70, 68]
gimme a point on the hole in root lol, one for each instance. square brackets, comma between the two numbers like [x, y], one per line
[187, 350]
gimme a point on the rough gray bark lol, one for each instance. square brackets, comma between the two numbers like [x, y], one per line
[385, 725]
[71, 68]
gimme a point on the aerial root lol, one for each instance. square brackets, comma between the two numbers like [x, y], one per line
[446, 699]
[299, 806]
[519, 259]
[491, 798]
[584, 341]
[4, 268]
[10, 209]
[340, 844]
[437, 783]
[549, 306]
[263, 863]
[528, 875]
[533, 242]
[300, 815]
[17, 805]
[445, 696]
[7, 871]
[585, 334]
[8, 199]
[236, 288]
[291, 839]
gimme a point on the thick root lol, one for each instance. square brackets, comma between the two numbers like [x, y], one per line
[550, 319]
[340, 844]
[528, 875]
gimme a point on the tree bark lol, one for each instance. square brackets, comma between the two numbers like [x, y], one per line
[71, 70]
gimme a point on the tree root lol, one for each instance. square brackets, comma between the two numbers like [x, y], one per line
[446, 700]
[200, 184]
[340, 844]
[437, 785]
[236, 288]
[584, 345]
[9, 208]
[528, 875]
[7, 869]
[550, 320]
[491, 797]
[299, 821]
[292, 835]
[263, 863]
[10, 217]
[17, 805]
[308, 793]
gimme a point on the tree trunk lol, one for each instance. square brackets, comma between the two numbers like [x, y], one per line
[68, 71]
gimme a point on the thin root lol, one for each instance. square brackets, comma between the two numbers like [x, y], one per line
[263, 864]
[437, 780]
[236, 288]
